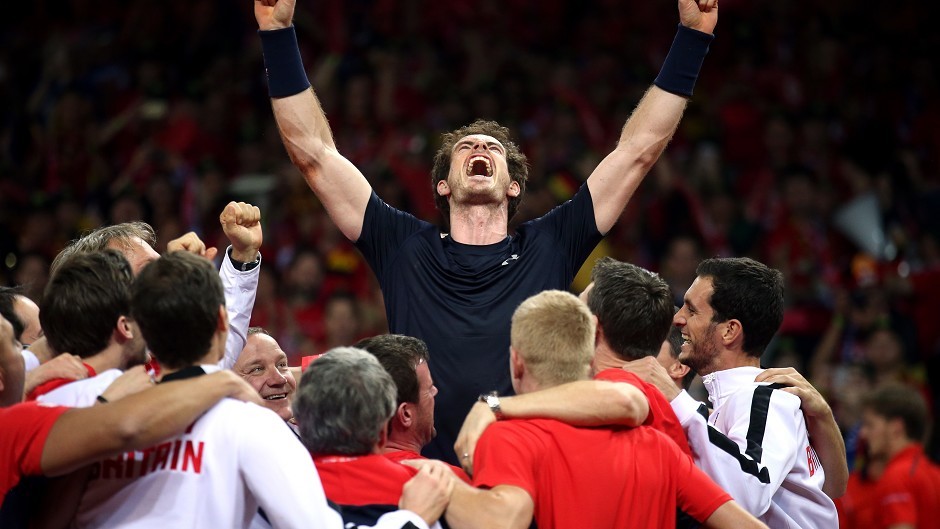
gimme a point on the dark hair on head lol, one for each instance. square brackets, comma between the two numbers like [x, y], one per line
[747, 291]
[83, 301]
[895, 401]
[176, 302]
[257, 330]
[515, 161]
[343, 403]
[7, 299]
[633, 306]
[98, 239]
[400, 356]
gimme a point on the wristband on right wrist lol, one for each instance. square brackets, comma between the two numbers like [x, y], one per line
[282, 62]
[684, 61]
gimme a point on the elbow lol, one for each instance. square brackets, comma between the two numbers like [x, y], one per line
[633, 405]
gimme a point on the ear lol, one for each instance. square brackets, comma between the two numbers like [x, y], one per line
[733, 332]
[223, 319]
[517, 366]
[404, 415]
[442, 188]
[678, 370]
[123, 331]
[514, 189]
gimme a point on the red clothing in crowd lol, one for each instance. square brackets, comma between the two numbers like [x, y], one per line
[595, 477]
[857, 507]
[364, 487]
[663, 418]
[22, 439]
[909, 491]
[403, 455]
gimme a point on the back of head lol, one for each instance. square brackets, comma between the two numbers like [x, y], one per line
[747, 291]
[400, 356]
[175, 300]
[633, 306]
[515, 160]
[83, 301]
[553, 332]
[895, 401]
[101, 238]
[7, 310]
[344, 400]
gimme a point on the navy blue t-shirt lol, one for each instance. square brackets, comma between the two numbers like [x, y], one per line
[460, 298]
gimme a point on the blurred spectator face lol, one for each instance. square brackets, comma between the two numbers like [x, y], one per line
[33, 273]
[305, 276]
[884, 350]
[12, 368]
[28, 312]
[341, 320]
[876, 431]
[263, 364]
[678, 269]
[137, 252]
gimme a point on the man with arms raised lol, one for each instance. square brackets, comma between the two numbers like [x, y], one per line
[457, 290]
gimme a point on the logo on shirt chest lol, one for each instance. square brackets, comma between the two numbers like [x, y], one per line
[512, 257]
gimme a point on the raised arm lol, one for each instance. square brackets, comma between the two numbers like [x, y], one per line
[581, 403]
[304, 129]
[824, 433]
[83, 435]
[653, 122]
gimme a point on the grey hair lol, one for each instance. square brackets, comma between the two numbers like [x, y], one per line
[98, 239]
[343, 402]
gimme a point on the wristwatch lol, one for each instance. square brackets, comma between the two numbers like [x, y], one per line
[242, 266]
[492, 400]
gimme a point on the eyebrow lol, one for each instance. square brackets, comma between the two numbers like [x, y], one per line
[488, 143]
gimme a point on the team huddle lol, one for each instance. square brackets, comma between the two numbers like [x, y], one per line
[498, 398]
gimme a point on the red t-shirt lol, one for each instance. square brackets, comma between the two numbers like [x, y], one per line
[403, 455]
[595, 477]
[22, 439]
[857, 507]
[50, 385]
[909, 491]
[365, 487]
[664, 419]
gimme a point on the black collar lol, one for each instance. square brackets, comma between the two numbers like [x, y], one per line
[182, 374]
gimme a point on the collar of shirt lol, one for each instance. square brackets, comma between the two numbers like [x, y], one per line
[721, 384]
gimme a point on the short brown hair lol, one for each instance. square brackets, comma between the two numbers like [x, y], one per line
[98, 239]
[553, 332]
[894, 401]
[515, 160]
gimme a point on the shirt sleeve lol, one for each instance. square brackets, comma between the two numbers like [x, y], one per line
[25, 429]
[384, 229]
[573, 226]
[504, 456]
[240, 289]
[759, 448]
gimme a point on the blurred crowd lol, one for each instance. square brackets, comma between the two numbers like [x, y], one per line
[810, 145]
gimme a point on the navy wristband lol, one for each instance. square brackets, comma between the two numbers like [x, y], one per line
[282, 62]
[683, 62]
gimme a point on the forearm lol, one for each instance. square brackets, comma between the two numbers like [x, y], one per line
[498, 508]
[582, 403]
[82, 436]
[240, 289]
[732, 516]
[827, 440]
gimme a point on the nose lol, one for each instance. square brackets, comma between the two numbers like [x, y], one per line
[679, 320]
[276, 379]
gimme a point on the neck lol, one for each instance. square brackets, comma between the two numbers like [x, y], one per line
[111, 357]
[396, 444]
[730, 359]
[606, 358]
[479, 224]
[898, 445]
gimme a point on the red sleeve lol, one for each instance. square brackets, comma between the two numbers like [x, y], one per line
[506, 456]
[698, 495]
[22, 439]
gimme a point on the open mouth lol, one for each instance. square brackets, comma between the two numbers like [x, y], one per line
[479, 166]
[276, 396]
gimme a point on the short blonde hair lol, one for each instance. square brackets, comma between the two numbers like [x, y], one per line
[554, 332]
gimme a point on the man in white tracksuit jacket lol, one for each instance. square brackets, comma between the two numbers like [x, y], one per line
[754, 442]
